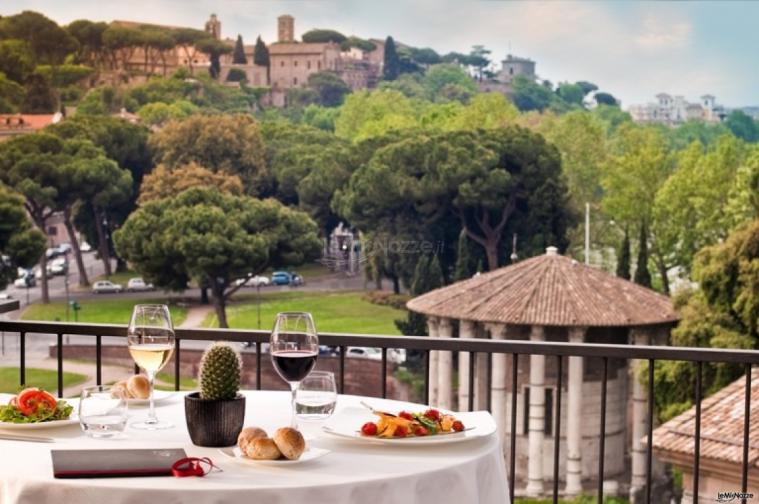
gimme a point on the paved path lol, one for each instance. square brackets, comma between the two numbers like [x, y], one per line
[195, 316]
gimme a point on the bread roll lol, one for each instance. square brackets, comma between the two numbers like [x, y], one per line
[290, 442]
[262, 449]
[138, 387]
[247, 435]
[120, 390]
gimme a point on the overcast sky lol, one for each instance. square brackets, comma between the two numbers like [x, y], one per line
[631, 49]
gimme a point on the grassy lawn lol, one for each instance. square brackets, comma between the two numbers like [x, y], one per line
[345, 312]
[108, 310]
[41, 378]
[165, 381]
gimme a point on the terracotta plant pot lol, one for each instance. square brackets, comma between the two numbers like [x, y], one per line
[214, 423]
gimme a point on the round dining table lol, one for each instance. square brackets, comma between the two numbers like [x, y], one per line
[355, 471]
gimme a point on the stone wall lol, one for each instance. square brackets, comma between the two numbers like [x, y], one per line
[362, 376]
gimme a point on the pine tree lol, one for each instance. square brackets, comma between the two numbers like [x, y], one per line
[238, 56]
[464, 264]
[391, 67]
[623, 259]
[642, 275]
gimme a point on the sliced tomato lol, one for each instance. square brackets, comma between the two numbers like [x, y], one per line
[31, 401]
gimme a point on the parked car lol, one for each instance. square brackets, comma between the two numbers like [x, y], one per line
[58, 266]
[25, 280]
[137, 284]
[106, 286]
[85, 247]
[64, 248]
[256, 281]
[4, 296]
[296, 279]
[365, 353]
[281, 278]
[52, 253]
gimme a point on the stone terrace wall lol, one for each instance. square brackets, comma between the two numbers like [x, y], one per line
[362, 376]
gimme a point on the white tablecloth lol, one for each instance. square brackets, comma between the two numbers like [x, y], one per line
[462, 473]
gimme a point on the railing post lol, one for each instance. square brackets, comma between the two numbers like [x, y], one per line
[537, 417]
[432, 367]
[98, 360]
[466, 388]
[177, 364]
[60, 364]
[574, 416]
[22, 358]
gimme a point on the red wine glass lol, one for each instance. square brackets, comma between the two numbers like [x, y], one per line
[294, 347]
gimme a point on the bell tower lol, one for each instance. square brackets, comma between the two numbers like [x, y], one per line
[213, 26]
[286, 28]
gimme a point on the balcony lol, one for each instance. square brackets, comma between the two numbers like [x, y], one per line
[481, 385]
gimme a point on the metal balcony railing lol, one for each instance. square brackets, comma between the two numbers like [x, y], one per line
[557, 350]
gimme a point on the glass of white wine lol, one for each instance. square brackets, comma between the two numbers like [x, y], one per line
[151, 343]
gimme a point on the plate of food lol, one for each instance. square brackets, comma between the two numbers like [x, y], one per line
[286, 447]
[407, 427]
[136, 391]
[33, 408]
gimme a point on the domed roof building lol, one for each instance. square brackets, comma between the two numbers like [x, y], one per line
[550, 298]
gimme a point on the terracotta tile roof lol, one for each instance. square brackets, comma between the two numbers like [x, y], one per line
[721, 426]
[28, 121]
[548, 290]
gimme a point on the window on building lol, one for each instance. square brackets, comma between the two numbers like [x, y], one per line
[52, 231]
[511, 71]
[282, 64]
[308, 65]
[548, 425]
[295, 81]
[318, 65]
[295, 63]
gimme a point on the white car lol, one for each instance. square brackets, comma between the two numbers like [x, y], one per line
[4, 296]
[64, 248]
[256, 281]
[21, 281]
[365, 353]
[58, 266]
[106, 286]
[85, 247]
[138, 285]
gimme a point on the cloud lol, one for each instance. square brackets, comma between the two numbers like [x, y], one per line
[659, 35]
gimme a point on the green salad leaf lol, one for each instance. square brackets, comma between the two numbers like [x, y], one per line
[12, 414]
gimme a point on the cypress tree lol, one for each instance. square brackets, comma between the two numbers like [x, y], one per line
[623, 258]
[428, 275]
[391, 67]
[642, 275]
[238, 56]
[464, 263]
[261, 53]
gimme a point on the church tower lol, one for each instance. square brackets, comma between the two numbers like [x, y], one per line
[213, 26]
[286, 28]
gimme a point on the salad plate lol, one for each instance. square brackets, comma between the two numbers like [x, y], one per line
[311, 453]
[14, 418]
[347, 424]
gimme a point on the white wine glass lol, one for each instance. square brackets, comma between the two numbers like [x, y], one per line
[151, 341]
[294, 347]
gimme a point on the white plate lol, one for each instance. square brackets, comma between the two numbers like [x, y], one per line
[159, 396]
[311, 453]
[7, 426]
[346, 424]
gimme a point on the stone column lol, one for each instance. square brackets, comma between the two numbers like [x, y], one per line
[481, 373]
[639, 422]
[498, 384]
[536, 423]
[432, 330]
[445, 368]
[466, 330]
[574, 416]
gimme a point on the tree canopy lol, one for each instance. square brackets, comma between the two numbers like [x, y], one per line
[216, 238]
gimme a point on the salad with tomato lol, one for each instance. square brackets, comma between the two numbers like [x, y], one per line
[33, 405]
[404, 424]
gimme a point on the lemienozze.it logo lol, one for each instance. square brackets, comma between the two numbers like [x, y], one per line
[733, 496]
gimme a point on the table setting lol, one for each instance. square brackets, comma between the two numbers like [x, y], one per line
[222, 444]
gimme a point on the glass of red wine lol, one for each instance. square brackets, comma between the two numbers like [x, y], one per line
[294, 346]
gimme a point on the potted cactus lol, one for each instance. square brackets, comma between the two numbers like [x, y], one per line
[215, 415]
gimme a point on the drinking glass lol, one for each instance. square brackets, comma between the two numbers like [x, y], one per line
[151, 343]
[316, 396]
[294, 346]
[102, 413]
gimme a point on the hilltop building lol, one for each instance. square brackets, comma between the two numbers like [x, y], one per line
[511, 67]
[673, 110]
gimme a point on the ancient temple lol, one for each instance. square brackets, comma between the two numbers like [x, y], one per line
[552, 298]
